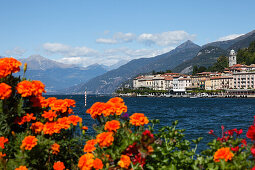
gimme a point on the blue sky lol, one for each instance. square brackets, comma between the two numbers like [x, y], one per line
[109, 31]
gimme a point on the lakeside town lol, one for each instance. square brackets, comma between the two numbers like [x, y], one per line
[237, 80]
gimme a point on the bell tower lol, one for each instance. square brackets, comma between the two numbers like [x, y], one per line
[232, 58]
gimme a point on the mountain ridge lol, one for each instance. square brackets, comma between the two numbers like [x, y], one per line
[109, 81]
[223, 48]
[56, 75]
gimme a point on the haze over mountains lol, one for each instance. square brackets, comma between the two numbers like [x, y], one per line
[56, 75]
[181, 59]
[109, 81]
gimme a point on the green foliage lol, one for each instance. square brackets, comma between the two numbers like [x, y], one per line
[198, 69]
[220, 65]
[171, 150]
[247, 55]
[160, 72]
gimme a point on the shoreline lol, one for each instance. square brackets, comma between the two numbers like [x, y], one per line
[187, 96]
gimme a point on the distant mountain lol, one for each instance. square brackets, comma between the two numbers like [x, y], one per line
[211, 51]
[38, 62]
[56, 75]
[109, 81]
[227, 44]
[118, 64]
[205, 57]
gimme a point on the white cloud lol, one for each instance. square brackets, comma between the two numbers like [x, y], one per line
[106, 41]
[169, 38]
[112, 56]
[68, 51]
[17, 51]
[71, 60]
[118, 37]
[229, 37]
[124, 37]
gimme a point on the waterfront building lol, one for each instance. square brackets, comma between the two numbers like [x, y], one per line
[200, 80]
[143, 81]
[237, 77]
[243, 80]
[208, 84]
[232, 58]
[155, 82]
[158, 82]
[168, 83]
[219, 83]
[181, 83]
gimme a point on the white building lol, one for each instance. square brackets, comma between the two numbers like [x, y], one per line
[180, 84]
[158, 83]
[243, 80]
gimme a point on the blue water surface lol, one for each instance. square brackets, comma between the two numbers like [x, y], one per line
[198, 115]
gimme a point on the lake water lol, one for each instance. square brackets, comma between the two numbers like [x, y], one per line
[197, 116]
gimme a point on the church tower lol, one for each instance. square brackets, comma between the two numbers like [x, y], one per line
[232, 58]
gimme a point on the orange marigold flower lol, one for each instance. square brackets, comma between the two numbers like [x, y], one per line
[138, 119]
[124, 161]
[118, 105]
[59, 166]
[37, 127]
[29, 117]
[50, 115]
[64, 123]
[21, 168]
[85, 128]
[150, 149]
[74, 119]
[26, 118]
[223, 153]
[59, 105]
[113, 125]
[27, 88]
[70, 102]
[24, 88]
[2, 155]
[55, 148]
[86, 161]
[5, 91]
[105, 139]
[107, 109]
[8, 66]
[98, 164]
[48, 101]
[51, 127]
[3, 140]
[29, 142]
[90, 145]
[96, 109]
[38, 88]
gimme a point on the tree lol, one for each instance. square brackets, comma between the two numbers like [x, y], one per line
[220, 65]
[195, 70]
[247, 55]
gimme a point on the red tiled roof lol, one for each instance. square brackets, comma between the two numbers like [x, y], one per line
[185, 79]
[168, 78]
[171, 74]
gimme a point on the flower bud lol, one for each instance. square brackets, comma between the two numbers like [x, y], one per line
[25, 67]
[80, 124]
